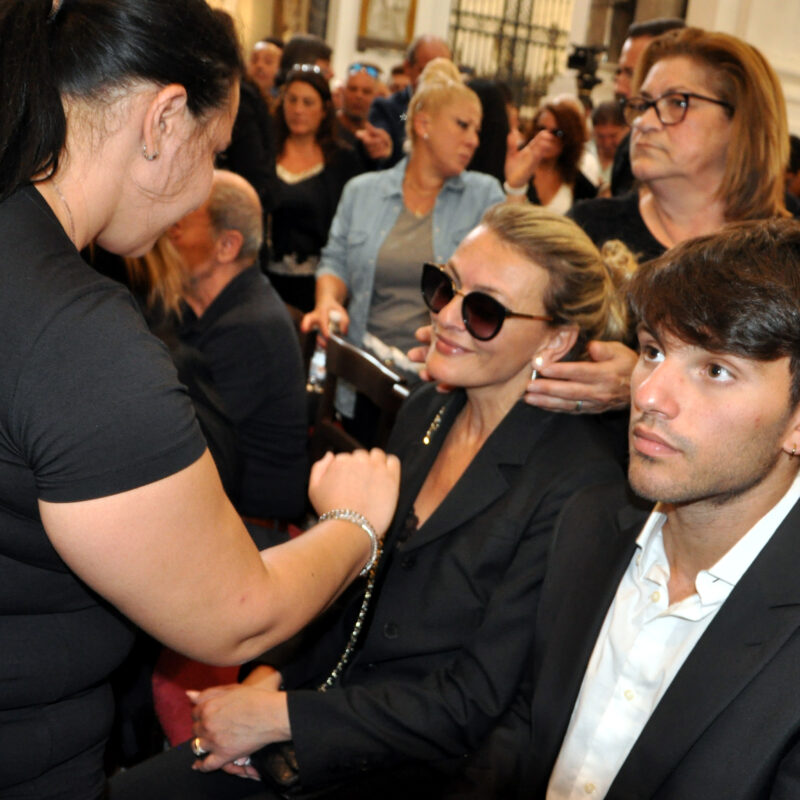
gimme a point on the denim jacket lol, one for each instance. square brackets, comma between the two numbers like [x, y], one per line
[368, 210]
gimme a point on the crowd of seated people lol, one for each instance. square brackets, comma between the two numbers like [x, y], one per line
[521, 390]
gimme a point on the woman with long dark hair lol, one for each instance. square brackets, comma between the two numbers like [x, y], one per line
[110, 505]
[312, 169]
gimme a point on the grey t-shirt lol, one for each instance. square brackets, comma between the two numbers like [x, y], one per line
[397, 308]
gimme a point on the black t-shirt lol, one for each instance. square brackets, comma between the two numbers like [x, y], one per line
[89, 406]
[606, 218]
[251, 349]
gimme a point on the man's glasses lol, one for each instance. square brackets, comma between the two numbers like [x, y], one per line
[483, 316]
[670, 108]
[370, 69]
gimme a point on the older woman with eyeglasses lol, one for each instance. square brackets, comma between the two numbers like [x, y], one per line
[709, 145]
[444, 648]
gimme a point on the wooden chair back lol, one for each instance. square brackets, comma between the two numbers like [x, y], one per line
[370, 378]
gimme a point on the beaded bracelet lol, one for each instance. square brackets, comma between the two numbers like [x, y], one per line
[348, 515]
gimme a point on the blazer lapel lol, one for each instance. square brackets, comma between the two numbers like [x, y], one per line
[760, 614]
[593, 562]
[484, 481]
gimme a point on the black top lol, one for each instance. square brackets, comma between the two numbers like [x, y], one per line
[617, 218]
[389, 113]
[89, 407]
[251, 349]
[622, 179]
[303, 211]
[583, 189]
[251, 152]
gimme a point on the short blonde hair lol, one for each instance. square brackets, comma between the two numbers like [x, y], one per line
[753, 184]
[586, 287]
[439, 85]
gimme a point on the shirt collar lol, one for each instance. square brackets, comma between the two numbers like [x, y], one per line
[732, 565]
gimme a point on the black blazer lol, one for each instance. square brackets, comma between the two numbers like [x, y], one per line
[389, 113]
[729, 724]
[449, 637]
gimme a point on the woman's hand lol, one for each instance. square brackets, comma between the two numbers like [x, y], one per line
[366, 482]
[233, 721]
[264, 676]
[319, 318]
[377, 142]
[522, 163]
[602, 384]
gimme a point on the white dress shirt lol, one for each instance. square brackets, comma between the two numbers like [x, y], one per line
[641, 646]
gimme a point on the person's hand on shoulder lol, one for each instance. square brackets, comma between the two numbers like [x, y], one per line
[593, 387]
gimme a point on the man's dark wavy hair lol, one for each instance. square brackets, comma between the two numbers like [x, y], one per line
[736, 291]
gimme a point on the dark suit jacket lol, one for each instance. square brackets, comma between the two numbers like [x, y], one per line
[729, 724]
[449, 637]
[389, 113]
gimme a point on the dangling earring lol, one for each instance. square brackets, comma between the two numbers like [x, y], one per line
[794, 450]
[537, 365]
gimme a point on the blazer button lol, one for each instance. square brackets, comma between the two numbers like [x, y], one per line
[408, 562]
[390, 630]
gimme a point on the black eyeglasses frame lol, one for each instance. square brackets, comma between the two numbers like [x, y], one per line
[643, 104]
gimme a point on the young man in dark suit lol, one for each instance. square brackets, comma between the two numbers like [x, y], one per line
[667, 654]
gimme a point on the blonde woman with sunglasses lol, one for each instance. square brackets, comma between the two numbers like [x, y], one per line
[444, 647]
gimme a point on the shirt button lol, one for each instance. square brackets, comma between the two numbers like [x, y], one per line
[629, 695]
[408, 562]
[589, 788]
[655, 597]
[390, 630]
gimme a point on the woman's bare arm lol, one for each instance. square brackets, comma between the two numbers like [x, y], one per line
[174, 556]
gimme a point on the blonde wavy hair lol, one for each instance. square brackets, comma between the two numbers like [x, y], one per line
[439, 85]
[586, 286]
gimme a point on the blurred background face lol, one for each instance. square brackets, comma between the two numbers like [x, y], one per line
[607, 137]
[452, 135]
[426, 51]
[359, 92]
[264, 62]
[398, 82]
[303, 109]
[632, 49]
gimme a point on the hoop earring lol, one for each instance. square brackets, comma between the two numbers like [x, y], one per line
[149, 157]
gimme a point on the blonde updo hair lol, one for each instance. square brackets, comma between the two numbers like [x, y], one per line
[439, 85]
[586, 286]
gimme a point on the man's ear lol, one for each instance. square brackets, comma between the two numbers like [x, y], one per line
[229, 246]
[791, 444]
[559, 342]
[163, 114]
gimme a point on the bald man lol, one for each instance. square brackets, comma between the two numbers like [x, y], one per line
[236, 321]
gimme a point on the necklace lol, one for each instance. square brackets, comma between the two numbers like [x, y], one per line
[68, 210]
[434, 426]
